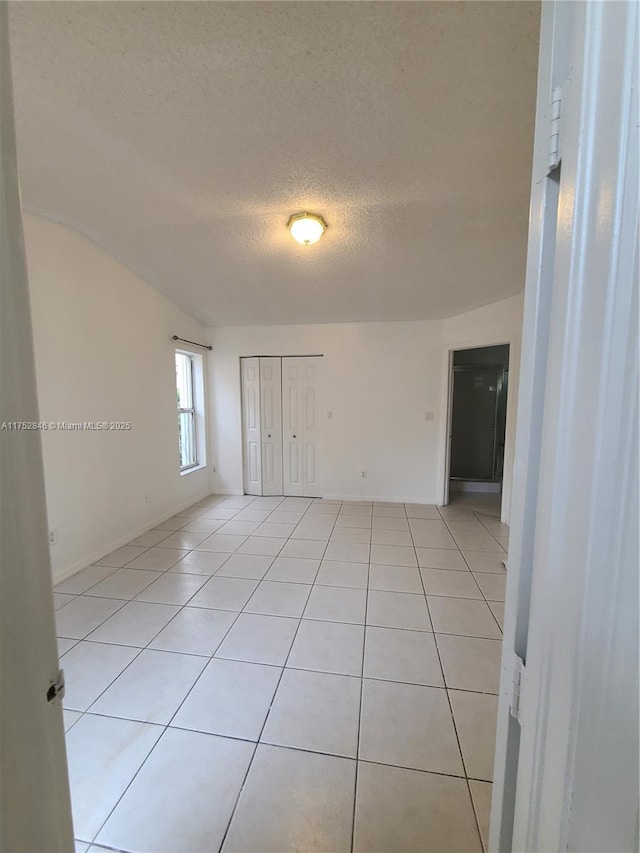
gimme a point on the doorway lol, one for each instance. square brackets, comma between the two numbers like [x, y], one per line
[280, 425]
[477, 425]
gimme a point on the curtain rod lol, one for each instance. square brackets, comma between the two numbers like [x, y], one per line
[195, 343]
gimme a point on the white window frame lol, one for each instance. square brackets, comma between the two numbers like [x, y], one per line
[196, 410]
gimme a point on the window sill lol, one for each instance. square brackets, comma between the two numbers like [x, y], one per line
[192, 470]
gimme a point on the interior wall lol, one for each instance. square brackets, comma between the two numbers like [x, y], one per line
[103, 353]
[379, 381]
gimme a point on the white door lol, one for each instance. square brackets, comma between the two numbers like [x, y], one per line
[35, 812]
[566, 769]
[300, 426]
[271, 424]
[251, 425]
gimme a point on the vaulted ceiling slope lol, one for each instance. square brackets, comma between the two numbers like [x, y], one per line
[179, 136]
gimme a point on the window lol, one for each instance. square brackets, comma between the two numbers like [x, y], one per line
[187, 444]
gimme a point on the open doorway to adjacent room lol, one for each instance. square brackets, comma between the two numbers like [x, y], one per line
[477, 425]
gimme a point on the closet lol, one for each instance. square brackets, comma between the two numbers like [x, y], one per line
[280, 426]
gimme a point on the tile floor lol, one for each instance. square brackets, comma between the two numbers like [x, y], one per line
[279, 674]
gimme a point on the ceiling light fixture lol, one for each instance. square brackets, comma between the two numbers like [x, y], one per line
[306, 228]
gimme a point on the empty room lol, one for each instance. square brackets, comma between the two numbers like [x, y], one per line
[294, 549]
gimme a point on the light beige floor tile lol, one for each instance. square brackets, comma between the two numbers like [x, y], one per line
[151, 538]
[389, 511]
[295, 503]
[89, 668]
[391, 537]
[441, 558]
[334, 573]
[481, 796]
[315, 711]
[393, 555]
[385, 523]
[320, 532]
[478, 542]
[70, 718]
[182, 540]
[220, 542]
[269, 528]
[283, 517]
[238, 528]
[309, 549]
[350, 552]
[408, 726]
[396, 655]
[136, 624]
[268, 546]
[78, 618]
[64, 645]
[206, 526]
[231, 698]
[152, 687]
[193, 811]
[395, 578]
[336, 604]
[61, 598]
[124, 583]
[413, 812]
[492, 585]
[398, 610]
[481, 561]
[356, 508]
[293, 570]
[269, 503]
[221, 513]
[470, 663]
[84, 580]
[275, 598]
[433, 540]
[350, 520]
[462, 616]
[259, 639]
[475, 715]
[195, 631]
[252, 566]
[360, 535]
[224, 593]
[251, 514]
[104, 754]
[172, 588]
[328, 647]
[122, 556]
[450, 583]
[497, 608]
[426, 511]
[294, 801]
[201, 563]
[157, 559]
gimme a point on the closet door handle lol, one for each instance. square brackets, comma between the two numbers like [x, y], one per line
[269, 436]
[294, 436]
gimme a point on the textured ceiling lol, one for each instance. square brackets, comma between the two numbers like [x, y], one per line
[180, 136]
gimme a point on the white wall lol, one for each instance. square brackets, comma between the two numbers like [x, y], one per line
[379, 380]
[103, 352]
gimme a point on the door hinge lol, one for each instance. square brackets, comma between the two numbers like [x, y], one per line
[56, 688]
[517, 683]
[554, 135]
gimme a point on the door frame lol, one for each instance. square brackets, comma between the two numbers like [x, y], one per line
[444, 462]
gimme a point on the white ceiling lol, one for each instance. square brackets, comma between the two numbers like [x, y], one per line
[180, 136]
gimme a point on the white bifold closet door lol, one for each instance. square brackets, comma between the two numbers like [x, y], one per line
[262, 425]
[300, 426]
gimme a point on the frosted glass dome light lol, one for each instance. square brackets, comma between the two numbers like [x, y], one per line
[306, 228]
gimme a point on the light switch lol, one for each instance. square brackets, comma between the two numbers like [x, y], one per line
[329, 415]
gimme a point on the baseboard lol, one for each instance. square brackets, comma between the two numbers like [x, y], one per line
[470, 487]
[79, 565]
[377, 499]
[229, 492]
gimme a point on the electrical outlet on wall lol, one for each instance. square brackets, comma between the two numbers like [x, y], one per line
[214, 469]
[428, 416]
[53, 536]
[363, 475]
